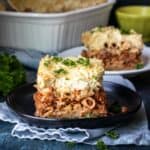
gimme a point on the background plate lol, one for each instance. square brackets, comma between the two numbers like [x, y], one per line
[145, 54]
[21, 102]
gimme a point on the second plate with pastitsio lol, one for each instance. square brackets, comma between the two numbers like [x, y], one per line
[145, 56]
[26, 57]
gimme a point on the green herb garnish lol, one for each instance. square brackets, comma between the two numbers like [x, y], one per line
[46, 63]
[57, 59]
[115, 108]
[60, 71]
[69, 62]
[95, 77]
[139, 66]
[12, 73]
[70, 144]
[112, 134]
[124, 31]
[100, 145]
[99, 28]
[84, 61]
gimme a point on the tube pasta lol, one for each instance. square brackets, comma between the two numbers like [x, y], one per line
[51, 106]
[89, 103]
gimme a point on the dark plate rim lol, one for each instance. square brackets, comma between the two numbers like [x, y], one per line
[74, 119]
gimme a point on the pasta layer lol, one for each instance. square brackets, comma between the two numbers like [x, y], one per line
[50, 106]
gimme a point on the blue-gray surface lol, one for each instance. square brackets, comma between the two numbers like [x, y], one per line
[7, 142]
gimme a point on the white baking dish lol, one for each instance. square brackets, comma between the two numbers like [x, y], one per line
[53, 32]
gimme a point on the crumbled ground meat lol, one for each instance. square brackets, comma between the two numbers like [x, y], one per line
[125, 60]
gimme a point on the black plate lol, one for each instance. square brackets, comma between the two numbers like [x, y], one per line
[21, 101]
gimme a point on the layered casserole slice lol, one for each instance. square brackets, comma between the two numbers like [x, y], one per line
[117, 50]
[70, 88]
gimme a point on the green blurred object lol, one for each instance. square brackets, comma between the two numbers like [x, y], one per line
[12, 74]
[136, 18]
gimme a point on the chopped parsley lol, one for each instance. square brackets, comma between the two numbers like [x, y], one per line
[60, 71]
[84, 61]
[46, 63]
[69, 62]
[124, 31]
[99, 28]
[12, 74]
[70, 144]
[57, 59]
[139, 66]
[54, 59]
[112, 134]
[100, 145]
[115, 108]
[95, 77]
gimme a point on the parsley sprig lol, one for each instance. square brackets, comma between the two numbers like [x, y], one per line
[60, 71]
[69, 62]
[100, 145]
[70, 145]
[139, 66]
[115, 108]
[84, 61]
[57, 59]
[112, 134]
[12, 73]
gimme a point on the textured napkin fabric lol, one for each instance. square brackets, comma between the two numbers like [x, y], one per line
[135, 132]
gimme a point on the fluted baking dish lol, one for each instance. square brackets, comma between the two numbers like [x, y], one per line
[50, 32]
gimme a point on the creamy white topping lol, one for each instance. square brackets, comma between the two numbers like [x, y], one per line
[97, 38]
[66, 75]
